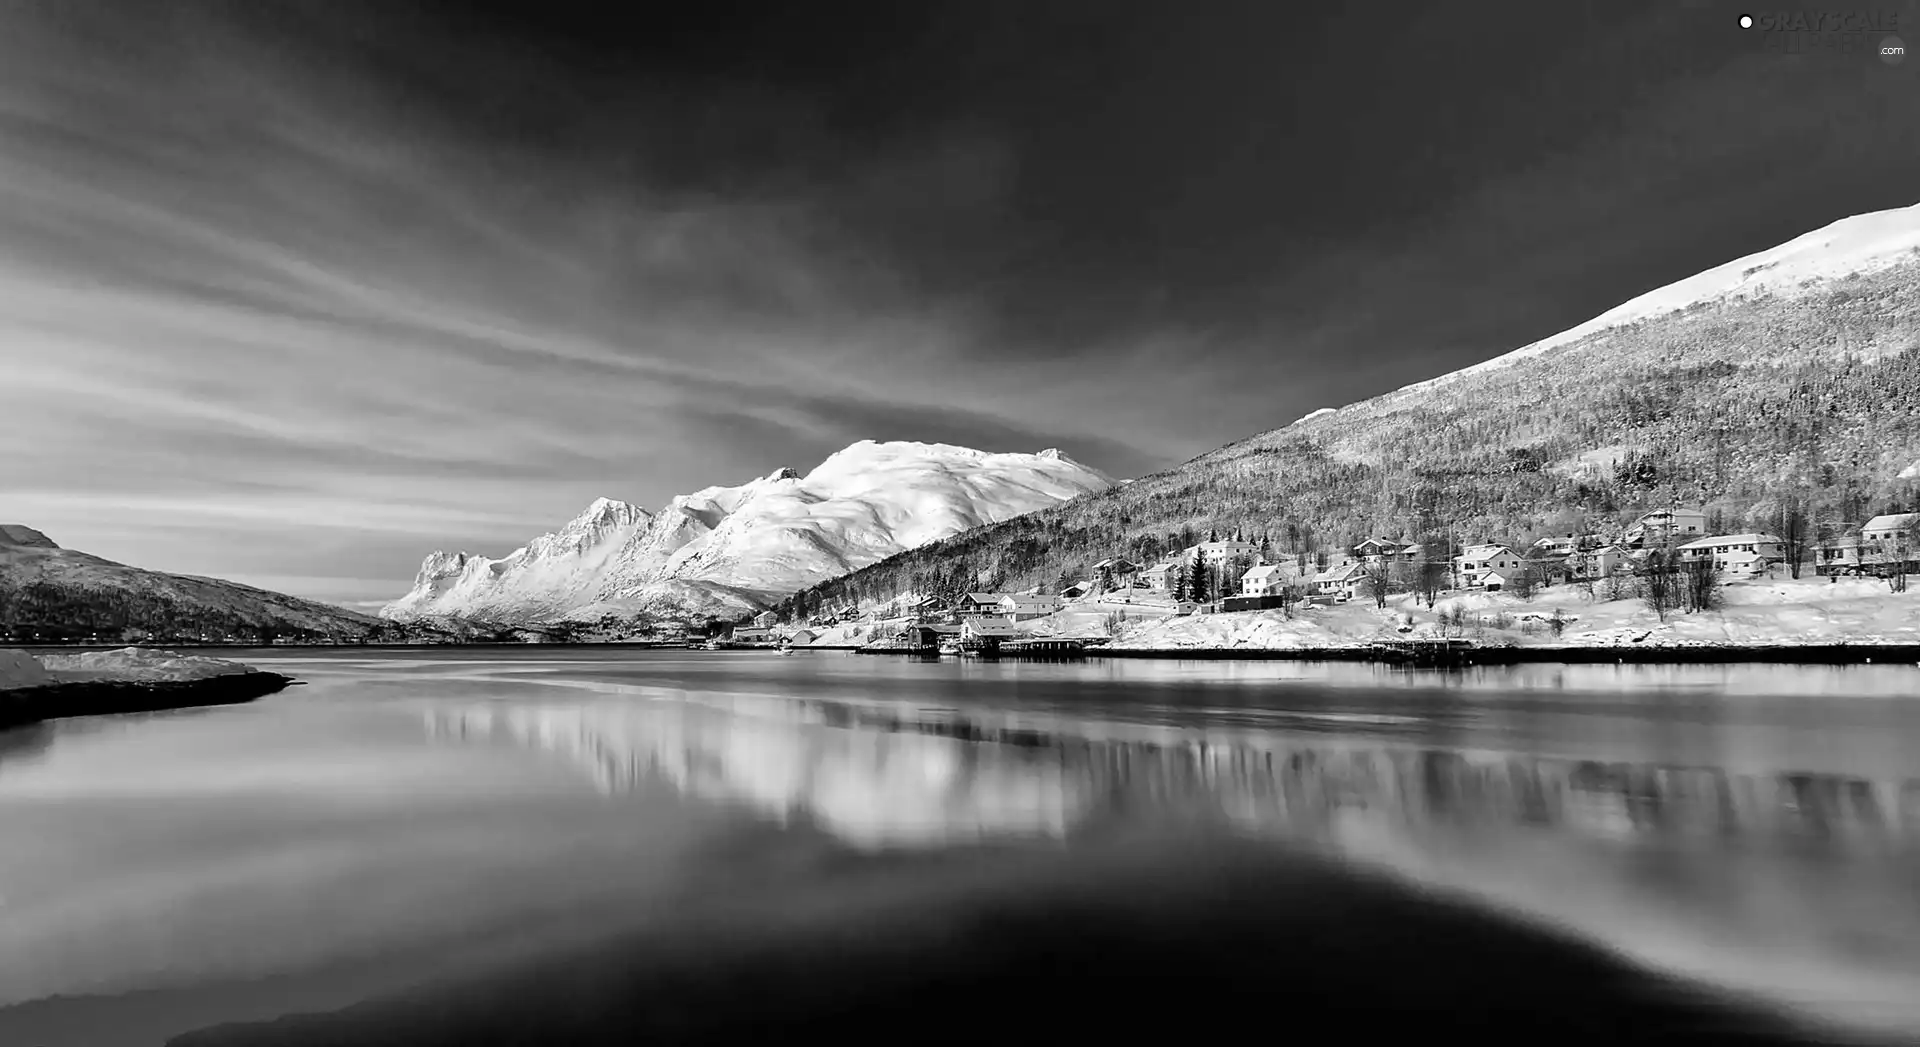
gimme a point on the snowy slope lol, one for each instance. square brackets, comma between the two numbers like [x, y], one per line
[723, 550]
[1864, 243]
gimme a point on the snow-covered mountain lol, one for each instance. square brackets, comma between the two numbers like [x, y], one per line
[724, 550]
[1855, 246]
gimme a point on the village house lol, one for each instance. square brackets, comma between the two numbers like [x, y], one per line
[1340, 582]
[976, 605]
[1550, 568]
[1381, 550]
[752, 634]
[1735, 554]
[1845, 555]
[1264, 580]
[1214, 552]
[1076, 590]
[766, 619]
[988, 629]
[1570, 542]
[1659, 525]
[1024, 606]
[1470, 567]
[1117, 572]
[1894, 540]
[1161, 577]
[1598, 563]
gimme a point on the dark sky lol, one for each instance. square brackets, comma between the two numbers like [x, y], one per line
[295, 292]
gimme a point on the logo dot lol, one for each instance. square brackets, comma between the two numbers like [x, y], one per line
[1746, 21]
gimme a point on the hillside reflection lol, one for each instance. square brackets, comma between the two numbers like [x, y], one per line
[877, 776]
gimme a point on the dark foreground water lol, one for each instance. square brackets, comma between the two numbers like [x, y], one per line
[604, 845]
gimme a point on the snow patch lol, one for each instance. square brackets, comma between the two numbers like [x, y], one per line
[1911, 472]
[138, 665]
[20, 669]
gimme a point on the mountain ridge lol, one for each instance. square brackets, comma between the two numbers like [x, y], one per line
[48, 592]
[724, 551]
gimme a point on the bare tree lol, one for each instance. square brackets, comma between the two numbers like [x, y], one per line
[1376, 579]
[1657, 582]
[1793, 528]
[1523, 584]
[1700, 584]
[1430, 572]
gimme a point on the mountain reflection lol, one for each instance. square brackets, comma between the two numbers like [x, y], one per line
[874, 775]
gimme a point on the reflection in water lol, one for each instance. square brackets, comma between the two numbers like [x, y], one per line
[874, 776]
[1793, 884]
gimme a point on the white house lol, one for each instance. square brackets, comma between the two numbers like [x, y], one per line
[1660, 524]
[1264, 580]
[766, 619]
[1494, 579]
[1160, 577]
[752, 634]
[1736, 554]
[1894, 538]
[1340, 582]
[988, 628]
[1214, 552]
[1599, 563]
[1022, 607]
[1845, 555]
[1470, 567]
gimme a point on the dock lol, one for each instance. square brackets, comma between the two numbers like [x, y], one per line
[1441, 654]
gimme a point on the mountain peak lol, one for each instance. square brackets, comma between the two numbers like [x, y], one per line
[22, 535]
[783, 473]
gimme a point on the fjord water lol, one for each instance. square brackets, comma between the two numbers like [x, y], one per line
[415, 814]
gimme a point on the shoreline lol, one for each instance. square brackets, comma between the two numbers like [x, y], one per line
[1811, 654]
[24, 706]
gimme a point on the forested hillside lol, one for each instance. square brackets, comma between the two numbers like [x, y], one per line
[50, 594]
[1800, 402]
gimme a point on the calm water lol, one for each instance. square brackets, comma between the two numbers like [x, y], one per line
[1752, 827]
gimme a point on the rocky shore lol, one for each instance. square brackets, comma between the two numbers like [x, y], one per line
[124, 681]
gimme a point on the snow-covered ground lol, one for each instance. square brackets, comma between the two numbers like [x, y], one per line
[136, 665]
[1760, 612]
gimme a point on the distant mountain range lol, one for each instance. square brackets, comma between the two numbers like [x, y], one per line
[52, 594]
[1784, 382]
[724, 551]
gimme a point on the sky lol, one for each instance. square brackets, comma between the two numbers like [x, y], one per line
[295, 292]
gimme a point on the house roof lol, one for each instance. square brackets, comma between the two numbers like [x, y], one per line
[1338, 574]
[1892, 522]
[1262, 572]
[1020, 599]
[985, 597]
[1482, 552]
[1731, 539]
[1113, 563]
